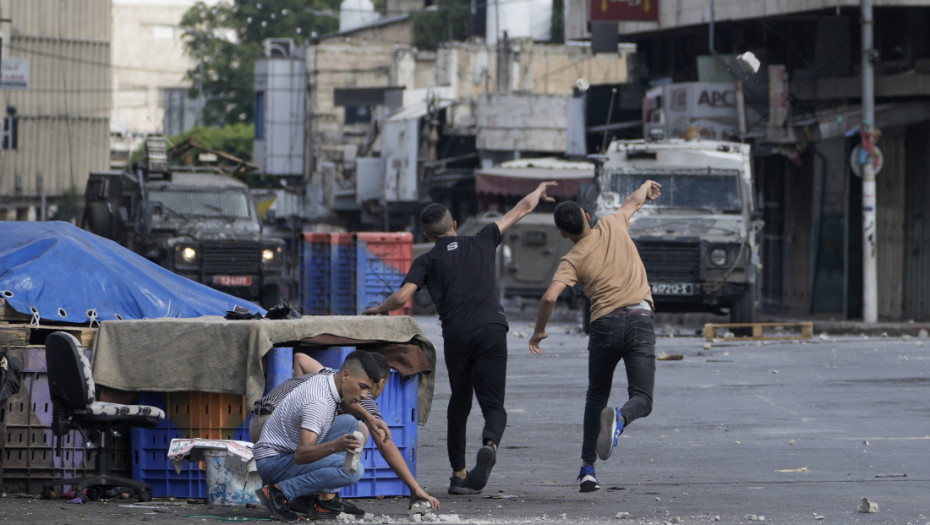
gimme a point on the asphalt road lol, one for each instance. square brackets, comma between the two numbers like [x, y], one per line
[785, 431]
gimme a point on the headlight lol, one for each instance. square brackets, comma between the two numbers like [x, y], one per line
[273, 256]
[186, 256]
[718, 256]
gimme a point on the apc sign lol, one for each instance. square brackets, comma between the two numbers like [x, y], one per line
[711, 106]
[624, 10]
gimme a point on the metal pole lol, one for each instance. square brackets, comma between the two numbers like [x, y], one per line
[869, 234]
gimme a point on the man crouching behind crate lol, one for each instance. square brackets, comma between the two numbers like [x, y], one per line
[301, 454]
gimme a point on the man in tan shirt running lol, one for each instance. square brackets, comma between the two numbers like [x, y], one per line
[605, 261]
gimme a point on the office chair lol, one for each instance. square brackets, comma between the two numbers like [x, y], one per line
[74, 406]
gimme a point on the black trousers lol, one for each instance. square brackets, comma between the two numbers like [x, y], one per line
[477, 364]
[626, 335]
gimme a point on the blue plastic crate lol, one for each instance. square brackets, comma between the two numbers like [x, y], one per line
[342, 298]
[398, 404]
[205, 418]
[382, 262]
[315, 274]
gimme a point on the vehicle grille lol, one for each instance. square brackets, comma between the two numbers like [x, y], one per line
[670, 262]
[231, 258]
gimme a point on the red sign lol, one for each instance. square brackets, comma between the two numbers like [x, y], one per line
[625, 10]
[233, 280]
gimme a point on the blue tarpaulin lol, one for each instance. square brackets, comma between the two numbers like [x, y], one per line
[67, 274]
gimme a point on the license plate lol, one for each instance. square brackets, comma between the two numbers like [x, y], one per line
[233, 280]
[674, 289]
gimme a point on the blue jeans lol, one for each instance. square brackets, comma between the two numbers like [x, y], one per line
[323, 475]
[623, 334]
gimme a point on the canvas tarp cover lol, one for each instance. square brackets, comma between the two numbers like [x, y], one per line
[70, 275]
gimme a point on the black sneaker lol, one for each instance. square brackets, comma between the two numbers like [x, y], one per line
[457, 486]
[338, 505]
[478, 477]
[277, 504]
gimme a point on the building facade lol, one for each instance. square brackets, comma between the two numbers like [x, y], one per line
[56, 95]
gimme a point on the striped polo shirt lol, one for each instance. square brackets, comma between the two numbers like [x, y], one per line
[313, 405]
[267, 404]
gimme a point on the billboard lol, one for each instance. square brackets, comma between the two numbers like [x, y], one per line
[713, 107]
[625, 10]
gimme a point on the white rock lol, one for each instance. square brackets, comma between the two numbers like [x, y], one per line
[866, 442]
[350, 464]
[418, 508]
[707, 346]
[748, 62]
[923, 334]
[753, 517]
[791, 443]
[867, 507]
[449, 518]
[623, 515]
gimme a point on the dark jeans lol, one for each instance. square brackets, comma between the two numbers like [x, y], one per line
[623, 334]
[477, 363]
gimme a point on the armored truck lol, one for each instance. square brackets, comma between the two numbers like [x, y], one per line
[699, 240]
[197, 221]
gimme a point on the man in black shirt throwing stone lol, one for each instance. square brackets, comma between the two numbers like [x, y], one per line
[459, 273]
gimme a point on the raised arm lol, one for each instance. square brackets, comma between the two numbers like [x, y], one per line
[394, 301]
[650, 190]
[525, 206]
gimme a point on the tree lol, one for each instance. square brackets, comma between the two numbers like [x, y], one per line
[447, 20]
[225, 39]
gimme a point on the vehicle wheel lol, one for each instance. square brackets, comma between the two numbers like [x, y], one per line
[97, 219]
[743, 310]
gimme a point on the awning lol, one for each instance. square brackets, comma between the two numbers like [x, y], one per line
[521, 177]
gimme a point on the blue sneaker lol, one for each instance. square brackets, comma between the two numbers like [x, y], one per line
[611, 428]
[588, 480]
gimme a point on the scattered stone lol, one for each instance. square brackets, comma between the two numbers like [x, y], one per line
[867, 507]
[923, 334]
[773, 371]
[824, 336]
[737, 442]
[449, 518]
[791, 443]
[520, 335]
[818, 517]
[866, 442]
[658, 498]
[706, 346]
[624, 515]
[716, 518]
[753, 517]
[419, 508]
[669, 357]
[343, 517]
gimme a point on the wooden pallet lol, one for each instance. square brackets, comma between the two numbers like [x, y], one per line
[7, 313]
[22, 334]
[710, 331]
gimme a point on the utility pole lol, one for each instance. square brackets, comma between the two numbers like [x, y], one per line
[869, 233]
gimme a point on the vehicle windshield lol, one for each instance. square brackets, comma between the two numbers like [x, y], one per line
[225, 204]
[714, 191]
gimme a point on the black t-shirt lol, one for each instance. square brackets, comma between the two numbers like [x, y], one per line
[459, 273]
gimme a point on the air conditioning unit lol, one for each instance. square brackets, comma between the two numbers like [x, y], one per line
[278, 47]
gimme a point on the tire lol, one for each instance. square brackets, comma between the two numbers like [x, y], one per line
[743, 310]
[97, 219]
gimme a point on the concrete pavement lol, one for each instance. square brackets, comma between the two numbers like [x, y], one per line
[788, 431]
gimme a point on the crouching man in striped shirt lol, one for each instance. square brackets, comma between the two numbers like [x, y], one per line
[303, 445]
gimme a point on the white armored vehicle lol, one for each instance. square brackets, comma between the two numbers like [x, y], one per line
[699, 240]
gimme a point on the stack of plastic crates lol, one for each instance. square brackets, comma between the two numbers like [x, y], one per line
[342, 267]
[398, 404]
[187, 415]
[382, 262]
[315, 274]
[28, 450]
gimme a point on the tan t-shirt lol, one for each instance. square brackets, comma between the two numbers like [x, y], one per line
[607, 264]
